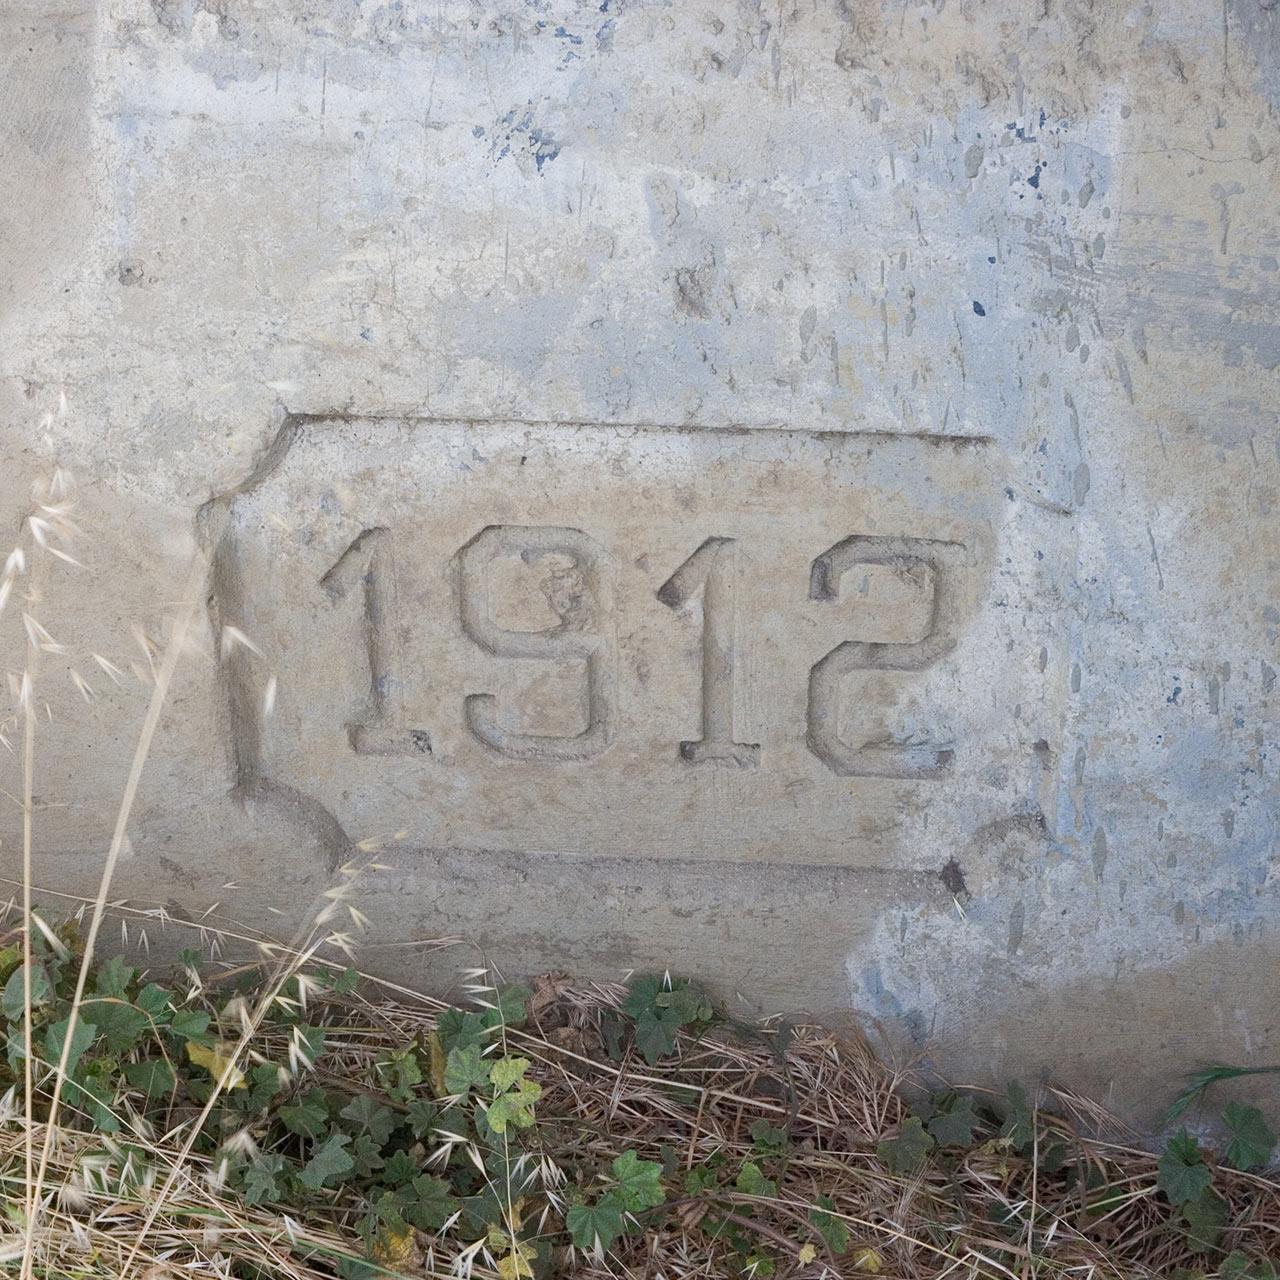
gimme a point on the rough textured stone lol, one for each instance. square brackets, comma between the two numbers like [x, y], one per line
[945, 333]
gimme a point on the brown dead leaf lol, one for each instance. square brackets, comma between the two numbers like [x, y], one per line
[575, 1040]
[547, 991]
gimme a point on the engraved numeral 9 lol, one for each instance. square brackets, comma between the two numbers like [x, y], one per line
[907, 554]
[584, 634]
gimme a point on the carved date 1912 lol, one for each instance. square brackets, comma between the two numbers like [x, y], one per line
[584, 636]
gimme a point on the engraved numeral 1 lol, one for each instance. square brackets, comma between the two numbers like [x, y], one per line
[367, 562]
[711, 570]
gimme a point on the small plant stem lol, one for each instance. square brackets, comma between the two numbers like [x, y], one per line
[228, 1072]
[749, 1224]
[28, 795]
[159, 692]
[509, 1207]
[28, 699]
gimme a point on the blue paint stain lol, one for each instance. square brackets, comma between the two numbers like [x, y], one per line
[1034, 180]
[1172, 699]
[562, 34]
[545, 147]
[978, 308]
[992, 258]
[537, 141]
[478, 131]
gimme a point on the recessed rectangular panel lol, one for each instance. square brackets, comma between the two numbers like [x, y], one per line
[763, 646]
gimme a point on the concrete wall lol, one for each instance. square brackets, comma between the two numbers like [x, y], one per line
[786, 492]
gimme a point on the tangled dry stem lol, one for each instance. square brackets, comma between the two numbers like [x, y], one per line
[829, 1092]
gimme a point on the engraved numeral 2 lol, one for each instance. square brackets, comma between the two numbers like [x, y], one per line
[906, 554]
[711, 570]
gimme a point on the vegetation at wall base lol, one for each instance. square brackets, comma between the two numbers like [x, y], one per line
[254, 1121]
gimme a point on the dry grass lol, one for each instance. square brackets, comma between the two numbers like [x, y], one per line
[830, 1094]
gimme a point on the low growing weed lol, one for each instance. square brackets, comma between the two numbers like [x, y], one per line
[546, 1131]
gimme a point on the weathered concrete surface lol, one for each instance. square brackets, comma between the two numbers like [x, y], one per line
[332, 292]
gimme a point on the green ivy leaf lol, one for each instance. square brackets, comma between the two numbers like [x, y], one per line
[151, 1077]
[656, 1034]
[751, 1182]
[119, 1023]
[368, 1116]
[344, 983]
[432, 1204]
[267, 1082]
[642, 993]
[595, 1227]
[639, 1182]
[514, 1107]
[702, 1177]
[485, 1209]
[308, 1116]
[507, 1072]
[1181, 1172]
[660, 1008]
[1252, 1140]
[192, 1024]
[81, 1039]
[767, 1140]
[459, 1030]
[1206, 1216]
[308, 1041]
[367, 1155]
[829, 1227]
[330, 1160]
[399, 1071]
[1019, 1123]
[953, 1124]
[906, 1153]
[95, 1096]
[688, 1002]
[262, 1179]
[153, 1000]
[1237, 1265]
[451, 1126]
[509, 1006]
[422, 1117]
[113, 978]
[400, 1168]
[465, 1070]
[12, 1000]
